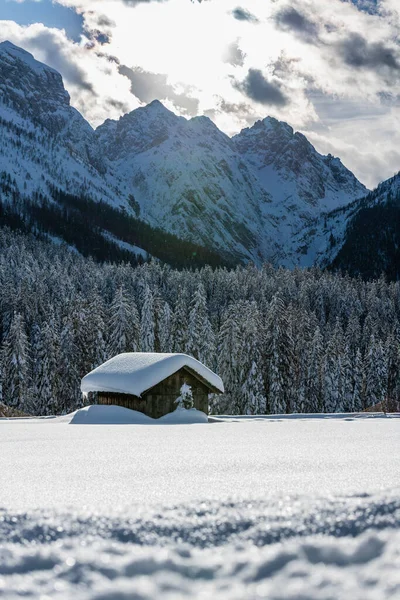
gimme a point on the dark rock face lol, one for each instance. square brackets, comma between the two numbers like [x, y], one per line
[33, 90]
[36, 93]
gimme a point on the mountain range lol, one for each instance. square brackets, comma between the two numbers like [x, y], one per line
[156, 182]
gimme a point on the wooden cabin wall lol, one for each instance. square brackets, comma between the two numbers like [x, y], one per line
[160, 400]
[125, 400]
[162, 396]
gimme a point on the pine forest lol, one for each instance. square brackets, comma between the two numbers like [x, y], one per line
[283, 341]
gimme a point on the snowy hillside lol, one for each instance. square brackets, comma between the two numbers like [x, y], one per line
[44, 140]
[246, 196]
[266, 508]
[188, 176]
[362, 237]
[249, 194]
[55, 180]
[298, 177]
[302, 182]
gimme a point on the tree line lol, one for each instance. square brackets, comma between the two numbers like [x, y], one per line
[283, 341]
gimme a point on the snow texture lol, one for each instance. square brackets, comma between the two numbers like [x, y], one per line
[118, 415]
[256, 508]
[136, 372]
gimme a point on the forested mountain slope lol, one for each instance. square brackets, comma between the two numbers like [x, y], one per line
[372, 242]
[303, 184]
[361, 238]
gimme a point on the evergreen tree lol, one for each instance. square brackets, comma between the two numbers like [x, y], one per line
[353, 335]
[279, 353]
[314, 398]
[15, 365]
[180, 323]
[392, 351]
[69, 393]
[333, 372]
[253, 392]
[165, 328]
[185, 399]
[123, 324]
[253, 400]
[147, 325]
[229, 362]
[376, 378]
[46, 380]
[347, 382]
[358, 383]
[197, 316]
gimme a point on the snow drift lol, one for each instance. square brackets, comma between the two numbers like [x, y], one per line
[282, 508]
[97, 414]
[282, 548]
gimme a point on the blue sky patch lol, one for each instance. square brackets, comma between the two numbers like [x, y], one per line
[46, 12]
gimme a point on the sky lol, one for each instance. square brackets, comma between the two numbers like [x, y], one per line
[329, 68]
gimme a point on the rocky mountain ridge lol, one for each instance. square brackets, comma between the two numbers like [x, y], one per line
[251, 197]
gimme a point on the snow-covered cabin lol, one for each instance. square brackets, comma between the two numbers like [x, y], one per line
[151, 382]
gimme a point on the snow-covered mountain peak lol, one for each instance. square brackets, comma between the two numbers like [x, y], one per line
[19, 70]
[34, 91]
[287, 162]
[139, 130]
[269, 124]
[156, 106]
[45, 140]
[17, 53]
[249, 195]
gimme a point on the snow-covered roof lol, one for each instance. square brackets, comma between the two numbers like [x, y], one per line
[135, 372]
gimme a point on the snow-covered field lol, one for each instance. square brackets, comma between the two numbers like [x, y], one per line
[275, 507]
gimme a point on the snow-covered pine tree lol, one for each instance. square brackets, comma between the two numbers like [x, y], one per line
[81, 323]
[98, 331]
[123, 324]
[353, 335]
[229, 361]
[46, 378]
[358, 387]
[376, 377]
[185, 399]
[180, 322]
[35, 405]
[201, 340]
[165, 328]
[197, 315]
[300, 326]
[69, 393]
[392, 350]
[158, 305]
[314, 399]
[333, 372]
[347, 382]
[253, 400]
[147, 324]
[279, 353]
[15, 363]
[253, 392]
